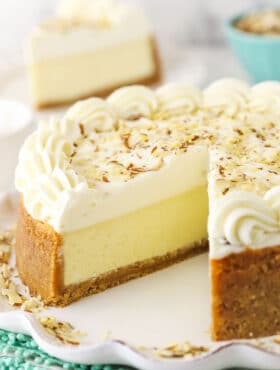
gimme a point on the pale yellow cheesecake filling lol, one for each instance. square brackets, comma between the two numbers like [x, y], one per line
[145, 233]
[52, 80]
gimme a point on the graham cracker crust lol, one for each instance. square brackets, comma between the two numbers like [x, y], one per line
[245, 294]
[37, 255]
[153, 80]
[40, 265]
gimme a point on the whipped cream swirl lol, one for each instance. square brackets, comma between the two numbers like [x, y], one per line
[134, 102]
[176, 98]
[265, 97]
[227, 96]
[43, 174]
[243, 219]
[94, 114]
[272, 197]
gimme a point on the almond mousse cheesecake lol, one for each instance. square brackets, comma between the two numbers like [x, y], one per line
[122, 187]
[90, 48]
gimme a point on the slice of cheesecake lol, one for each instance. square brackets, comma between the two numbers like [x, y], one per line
[107, 218]
[90, 48]
[120, 187]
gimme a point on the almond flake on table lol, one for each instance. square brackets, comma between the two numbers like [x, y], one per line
[179, 350]
[63, 331]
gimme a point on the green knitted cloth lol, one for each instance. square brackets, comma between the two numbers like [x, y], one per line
[20, 352]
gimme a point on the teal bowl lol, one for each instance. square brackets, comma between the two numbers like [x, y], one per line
[258, 54]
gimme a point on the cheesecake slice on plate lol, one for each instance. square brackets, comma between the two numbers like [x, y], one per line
[90, 48]
[122, 187]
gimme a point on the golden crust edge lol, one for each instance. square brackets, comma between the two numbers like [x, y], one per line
[38, 255]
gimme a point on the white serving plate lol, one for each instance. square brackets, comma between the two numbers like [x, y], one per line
[124, 324]
[170, 306]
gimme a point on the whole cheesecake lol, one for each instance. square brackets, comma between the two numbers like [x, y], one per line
[121, 187]
[89, 49]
